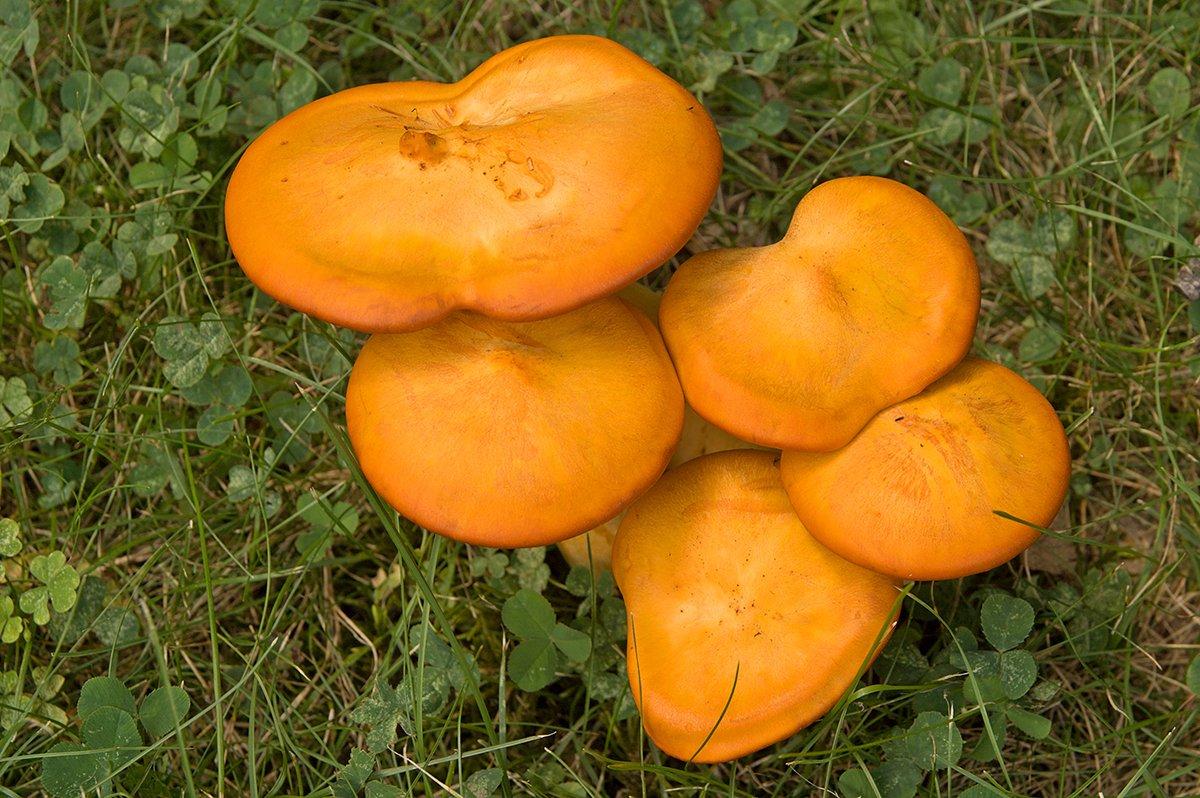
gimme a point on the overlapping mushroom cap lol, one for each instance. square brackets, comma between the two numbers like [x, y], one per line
[738, 620]
[556, 172]
[915, 494]
[593, 549]
[871, 296]
[515, 433]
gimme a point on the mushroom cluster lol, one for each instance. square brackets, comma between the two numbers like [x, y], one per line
[826, 433]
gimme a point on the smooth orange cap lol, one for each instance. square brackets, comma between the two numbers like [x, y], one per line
[915, 495]
[515, 433]
[556, 172]
[721, 580]
[872, 295]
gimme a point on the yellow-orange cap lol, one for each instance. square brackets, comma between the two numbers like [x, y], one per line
[722, 582]
[515, 433]
[915, 494]
[556, 172]
[871, 296]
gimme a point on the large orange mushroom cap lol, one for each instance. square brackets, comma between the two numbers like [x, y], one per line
[515, 434]
[723, 583]
[872, 295]
[556, 172]
[915, 494]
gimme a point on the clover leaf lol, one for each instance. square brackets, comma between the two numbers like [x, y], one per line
[58, 583]
[189, 347]
[113, 732]
[482, 783]
[60, 359]
[11, 624]
[1006, 620]
[1169, 92]
[90, 601]
[1028, 251]
[15, 404]
[963, 205]
[163, 710]
[70, 769]
[117, 626]
[324, 519]
[534, 661]
[1018, 672]
[103, 691]
[43, 199]
[933, 741]
[942, 81]
[1041, 342]
[354, 774]
[66, 286]
[13, 180]
[942, 125]
[388, 707]
[1031, 723]
[10, 538]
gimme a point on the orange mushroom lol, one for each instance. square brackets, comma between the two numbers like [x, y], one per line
[594, 548]
[916, 493]
[871, 296]
[742, 628]
[556, 172]
[515, 433]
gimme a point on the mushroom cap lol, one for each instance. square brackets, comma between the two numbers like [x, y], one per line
[699, 437]
[914, 495]
[515, 434]
[554, 173]
[871, 296]
[720, 579]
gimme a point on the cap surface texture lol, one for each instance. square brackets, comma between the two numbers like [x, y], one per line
[554, 173]
[738, 620]
[871, 296]
[916, 493]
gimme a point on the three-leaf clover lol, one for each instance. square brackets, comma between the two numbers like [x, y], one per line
[60, 359]
[187, 348]
[58, 583]
[386, 708]
[1004, 676]
[534, 661]
[110, 734]
[943, 82]
[1029, 251]
[66, 287]
[224, 388]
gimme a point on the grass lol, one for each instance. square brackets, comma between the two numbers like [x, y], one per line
[1075, 172]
